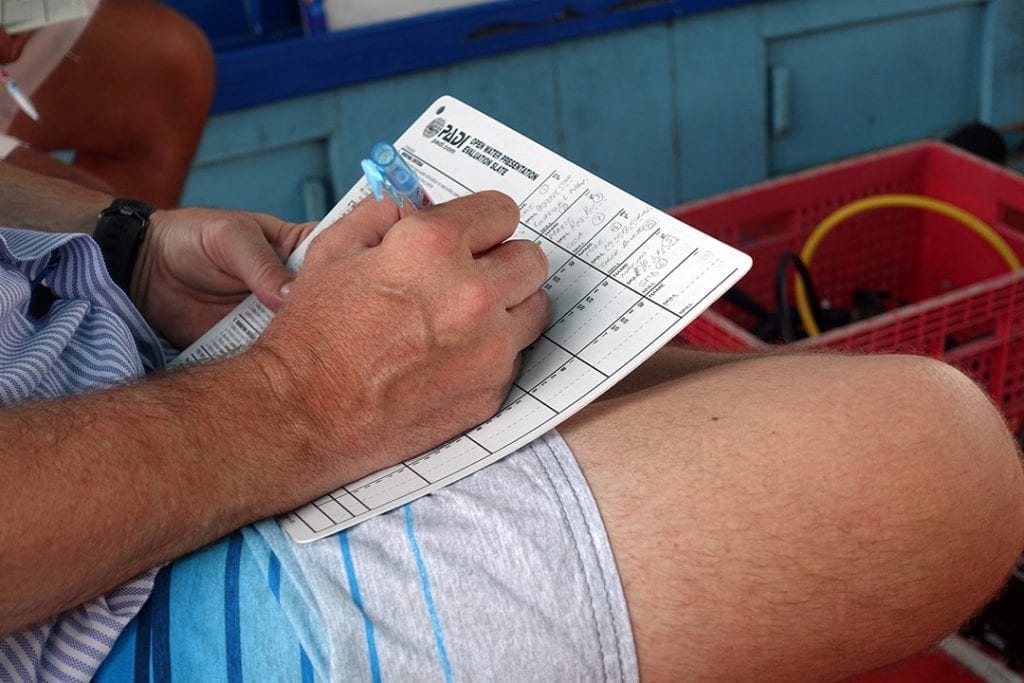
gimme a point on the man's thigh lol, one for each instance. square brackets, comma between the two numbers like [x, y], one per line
[801, 516]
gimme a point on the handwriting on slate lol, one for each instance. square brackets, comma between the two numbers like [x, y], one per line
[630, 243]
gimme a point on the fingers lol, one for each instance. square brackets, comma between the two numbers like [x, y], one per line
[253, 260]
[487, 219]
[364, 226]
[361, 228]
[530, 318]
[283, 235]
[478, 221]
[516, 269]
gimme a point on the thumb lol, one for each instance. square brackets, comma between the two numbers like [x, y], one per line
[254, 262]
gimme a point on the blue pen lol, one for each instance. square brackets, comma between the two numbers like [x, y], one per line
[386, 170]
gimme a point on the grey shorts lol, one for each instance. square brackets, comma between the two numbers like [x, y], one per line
[507, 575]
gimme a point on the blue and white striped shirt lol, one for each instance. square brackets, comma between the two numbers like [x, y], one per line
[90, 337]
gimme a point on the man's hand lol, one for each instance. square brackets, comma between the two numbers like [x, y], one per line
[400, 333]
[195, 265]
[11, 46]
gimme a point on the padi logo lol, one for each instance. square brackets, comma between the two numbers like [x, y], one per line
[445, 135]
[434, 127]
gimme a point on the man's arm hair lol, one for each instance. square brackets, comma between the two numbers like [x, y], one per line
[31, 200]
[100, 487]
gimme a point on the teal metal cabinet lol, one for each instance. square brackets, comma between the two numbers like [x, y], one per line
[669, 110]
[786, 85]
[880, 79]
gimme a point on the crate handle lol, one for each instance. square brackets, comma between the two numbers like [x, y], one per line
[881, 201]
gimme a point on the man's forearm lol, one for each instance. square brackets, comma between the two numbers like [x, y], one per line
[30, 200]
[98, 488]
[383, 348]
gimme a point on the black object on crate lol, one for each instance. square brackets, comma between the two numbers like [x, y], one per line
[1000, 626]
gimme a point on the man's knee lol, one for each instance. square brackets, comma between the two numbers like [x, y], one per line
[873, 501]
[936, 474]
[959, 475]
[903, 491]
[181, 61]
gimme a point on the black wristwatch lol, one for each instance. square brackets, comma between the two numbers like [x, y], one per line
[119, 232]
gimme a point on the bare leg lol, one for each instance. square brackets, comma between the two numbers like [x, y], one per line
[39, 162]
[131, 100]
[802, 517]
[673, 362]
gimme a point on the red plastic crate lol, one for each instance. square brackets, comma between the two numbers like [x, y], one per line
[962, 303]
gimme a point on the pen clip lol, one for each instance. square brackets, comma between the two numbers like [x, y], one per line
[386, 170]
[378, 182]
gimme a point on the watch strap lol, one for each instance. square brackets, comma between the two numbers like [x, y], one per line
[120, 229]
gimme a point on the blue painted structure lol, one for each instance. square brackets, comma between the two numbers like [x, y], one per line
[670, 100]
[288, 68]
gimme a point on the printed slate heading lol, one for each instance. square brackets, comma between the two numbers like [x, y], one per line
[450, 138]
